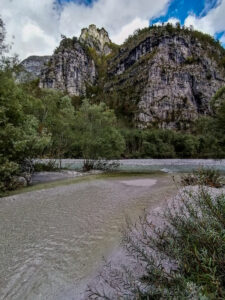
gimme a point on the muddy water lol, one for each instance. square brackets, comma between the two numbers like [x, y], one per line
[54, 240]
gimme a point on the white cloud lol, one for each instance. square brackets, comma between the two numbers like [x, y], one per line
[31, 25]
[114, 15]
[172, 21]
[129, 29]
[34, 38]
[37, 24]
[213, 22]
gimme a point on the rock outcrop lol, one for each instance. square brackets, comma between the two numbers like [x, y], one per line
[32, 66]
[170, 78]
[163, 76]
[97, 39]
[70, 69]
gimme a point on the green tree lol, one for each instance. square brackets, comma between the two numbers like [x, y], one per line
[19, 135]
[3, 47]
[61, 126]
[97, 133]
[20, 138]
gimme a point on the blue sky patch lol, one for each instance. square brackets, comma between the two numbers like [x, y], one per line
[180, 9]
[219, 35]
[85, 2]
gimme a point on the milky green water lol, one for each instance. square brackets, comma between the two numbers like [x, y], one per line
[53, 240]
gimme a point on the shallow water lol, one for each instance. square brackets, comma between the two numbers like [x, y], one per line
[147, 165]
[52, 241]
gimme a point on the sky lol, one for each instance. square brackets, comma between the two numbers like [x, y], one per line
[34, 27]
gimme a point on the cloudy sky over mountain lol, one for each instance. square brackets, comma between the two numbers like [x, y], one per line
[35, 27]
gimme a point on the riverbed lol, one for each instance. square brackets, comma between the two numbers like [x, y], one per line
[53, 240]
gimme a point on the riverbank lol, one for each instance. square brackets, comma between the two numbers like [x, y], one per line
[46, 180]
[45, 177]
[72, 170]
[144, 254]
[53, 239]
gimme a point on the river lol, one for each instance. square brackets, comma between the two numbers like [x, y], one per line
[149, 165]
[53, 240]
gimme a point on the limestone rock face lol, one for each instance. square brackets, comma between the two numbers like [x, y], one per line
[70, 69]
[175, 78]
[96, 38]
[32, 67]
[163, 76]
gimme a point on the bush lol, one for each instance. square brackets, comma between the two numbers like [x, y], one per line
[182, 258]
[208, 177]
[8, 170]
[46, 167]
[101, 164]
[191, 60]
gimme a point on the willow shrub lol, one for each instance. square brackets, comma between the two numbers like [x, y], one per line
[209, 177]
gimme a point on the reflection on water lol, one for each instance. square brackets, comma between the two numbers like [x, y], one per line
[52, 240]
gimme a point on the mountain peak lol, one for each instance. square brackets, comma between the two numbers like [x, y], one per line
[96, 38]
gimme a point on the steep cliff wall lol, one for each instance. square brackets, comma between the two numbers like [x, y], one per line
[161, 76]
[32, 67]
[69, 69]
[167, 76]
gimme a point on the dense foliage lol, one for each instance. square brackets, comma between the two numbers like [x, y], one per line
[159, 143]
[96, 132]
[43, 123]
[20, 137]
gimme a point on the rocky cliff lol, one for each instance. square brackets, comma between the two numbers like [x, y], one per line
[72, 67]
[167, 76]
[97, 39]
[32, 66]
[163, 76]
[69, 69]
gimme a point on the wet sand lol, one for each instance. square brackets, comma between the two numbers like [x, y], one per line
[52, 241]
